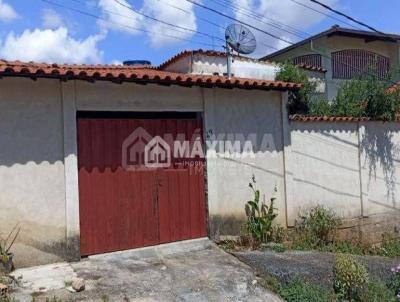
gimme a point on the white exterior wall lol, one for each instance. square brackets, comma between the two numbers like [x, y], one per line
[230, 112]
[325, 167]
[380, 164]
[32, 182]
[309, 163]
[352, 168]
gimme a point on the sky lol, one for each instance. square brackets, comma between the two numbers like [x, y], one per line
[111, 31]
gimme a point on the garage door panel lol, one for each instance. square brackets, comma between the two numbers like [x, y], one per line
[123, 209]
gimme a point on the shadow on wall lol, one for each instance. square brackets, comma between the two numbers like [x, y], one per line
[380, 153]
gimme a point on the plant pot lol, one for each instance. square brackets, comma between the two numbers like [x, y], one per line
[6, 263]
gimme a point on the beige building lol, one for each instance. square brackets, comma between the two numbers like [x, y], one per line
[344, 54]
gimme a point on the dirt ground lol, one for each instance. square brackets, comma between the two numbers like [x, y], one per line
[315, 267]
[207, 275]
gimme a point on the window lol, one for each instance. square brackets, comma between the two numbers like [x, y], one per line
[347, 64]
[311, 60]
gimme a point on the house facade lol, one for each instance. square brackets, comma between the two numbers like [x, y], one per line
[71, 177]
[99, 158]
[344, 54]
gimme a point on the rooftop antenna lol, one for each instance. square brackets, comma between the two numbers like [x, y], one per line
[240, 39]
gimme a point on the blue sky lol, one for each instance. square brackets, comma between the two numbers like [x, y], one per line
[39, 31]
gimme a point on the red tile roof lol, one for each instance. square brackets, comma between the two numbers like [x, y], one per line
[305, 118]
[213, 53]
[312, 68]
[142, 74]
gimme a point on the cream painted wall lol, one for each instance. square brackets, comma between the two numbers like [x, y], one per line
[132, 97]
[352, 168]
[318, 162]
[237, 114]
[32, 189]
[380, 163]
[325, 167]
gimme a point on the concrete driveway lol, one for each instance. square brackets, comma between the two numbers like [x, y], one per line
[204, 275]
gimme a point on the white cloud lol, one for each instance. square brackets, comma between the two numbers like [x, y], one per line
[7, 12]
[170, 15]
[51, 46]
[120, 18]
[51, 19]
[117, 62]
[286, 12]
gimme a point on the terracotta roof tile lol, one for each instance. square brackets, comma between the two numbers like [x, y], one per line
[312, 68]
[143, 74]
[305, 118]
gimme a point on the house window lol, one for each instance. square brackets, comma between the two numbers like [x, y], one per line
[310, 60]
[347, 64]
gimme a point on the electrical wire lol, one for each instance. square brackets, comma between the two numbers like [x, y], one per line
[325, 14]
[291, 43]
[167, 23]
[122, 25]
[349, 17]
[274, 23]
[236, 20]
[190, 13]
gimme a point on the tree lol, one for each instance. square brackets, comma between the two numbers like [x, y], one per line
[299, 101]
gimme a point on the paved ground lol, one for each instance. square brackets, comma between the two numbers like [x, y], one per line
[207, 275]
[313, 266]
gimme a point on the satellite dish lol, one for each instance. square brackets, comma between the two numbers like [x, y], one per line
[240, 39]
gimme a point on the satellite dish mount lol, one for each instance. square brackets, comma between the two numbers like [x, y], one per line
[240, 39]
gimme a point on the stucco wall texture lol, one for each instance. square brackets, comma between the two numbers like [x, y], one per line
[350, 167]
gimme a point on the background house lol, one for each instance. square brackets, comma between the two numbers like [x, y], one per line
[343, 53]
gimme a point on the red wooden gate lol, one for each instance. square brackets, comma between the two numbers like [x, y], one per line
[123, 209]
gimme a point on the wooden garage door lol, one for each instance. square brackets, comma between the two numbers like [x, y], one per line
[123, 209]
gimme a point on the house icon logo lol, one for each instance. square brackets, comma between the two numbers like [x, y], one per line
[140, 150]
[157, 153]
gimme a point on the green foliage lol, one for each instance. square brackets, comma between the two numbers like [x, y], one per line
[299, 100]
[377, 291]
[390, 246]
[315, 228]
[259, 217]
[298, 290]
[365, 96]
[320, 108]
[7, 299]
[279, 234]
[350, 277]
[7, 243]
[394, 282]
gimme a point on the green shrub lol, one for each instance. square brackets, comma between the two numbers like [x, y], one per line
[259, 217]
[394, 282]
[298, 100]
[298, 290]
[347, 247]
[390, 246]
[315, 228]
[377, 291]
[320, 108]
[278, 234]
[350, 277]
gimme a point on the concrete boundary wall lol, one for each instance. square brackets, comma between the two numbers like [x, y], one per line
[350, 167]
